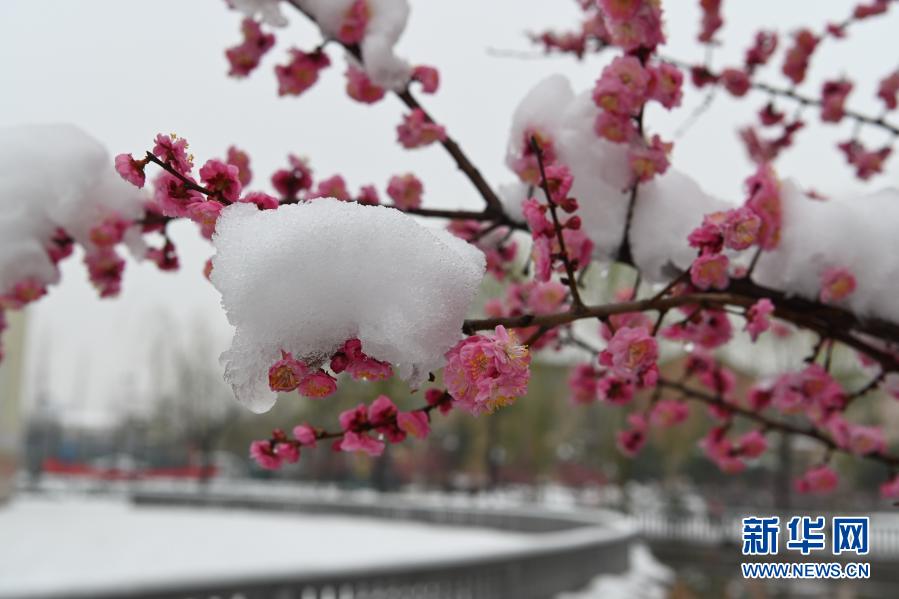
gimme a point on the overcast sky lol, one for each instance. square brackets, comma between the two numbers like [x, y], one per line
[124, 70]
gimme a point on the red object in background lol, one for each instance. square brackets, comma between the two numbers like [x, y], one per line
[55, 466]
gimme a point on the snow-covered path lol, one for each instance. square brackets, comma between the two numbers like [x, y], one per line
[51, 545]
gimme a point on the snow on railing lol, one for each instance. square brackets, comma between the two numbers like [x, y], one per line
[884, 530]
[573, 549]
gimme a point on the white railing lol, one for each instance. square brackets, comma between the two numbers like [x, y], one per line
[573, 548]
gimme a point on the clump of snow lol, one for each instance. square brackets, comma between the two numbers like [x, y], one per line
[669, 208]
[305, 278]
[267, 11]
[86, 547]
[647, 578]
[854, 233]
[386, 23]
[53, 176]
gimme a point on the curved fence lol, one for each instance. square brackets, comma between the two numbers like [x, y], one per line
[571, 550]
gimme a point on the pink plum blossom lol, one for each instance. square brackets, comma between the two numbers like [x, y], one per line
[414, 423]
[262, 200]
[173, 197]
[104, 269]
[763, 47]
[429, 77]
[285, 374]
[332, 187]
[666, 413]
[650, 160]
[833, 100]
[752, 444]
[614, 127]
[245, 57]
[631, 355]
[206, 215]
[614, 390]
[799, 54]
[888, 90]
[264, 454]
[735, 81]
[820, 479]
[301, 72]
[707, 328]
[23, 292]
[360, 88]
[442, 400]
[836, 285]
[317, 385]
[355, 20]
[221, 178]
[890, 489]
[623, 86]
[405, 191]
[758, 317]
[172, 150]
[289, 182]
[485, 373]
[305, 435]
[665, 86]
[582, 382]
[741, 228]
[131, 170]
[240, 159]
[764, 200]
[632, 439]
[417, 130]
[368, 195]
[710, 271]
[867, 163]
[361, 442]
[633, 24]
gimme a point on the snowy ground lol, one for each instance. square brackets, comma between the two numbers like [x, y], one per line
[50, 545]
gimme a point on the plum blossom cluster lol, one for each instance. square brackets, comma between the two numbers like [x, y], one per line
[368, 30]
[178, 193]
[484, 373]
[558, 245]
[59, 195]
[289, 374]
[497, 244]
[321, 282]
[621, 92]
[363, 429]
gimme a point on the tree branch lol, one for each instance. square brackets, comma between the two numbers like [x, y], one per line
[494, 205]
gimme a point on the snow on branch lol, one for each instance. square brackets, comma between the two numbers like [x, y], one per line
[307, 277]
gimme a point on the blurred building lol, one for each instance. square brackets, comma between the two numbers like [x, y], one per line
[10, 395]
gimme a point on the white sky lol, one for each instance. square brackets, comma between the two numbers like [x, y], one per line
[126, 69]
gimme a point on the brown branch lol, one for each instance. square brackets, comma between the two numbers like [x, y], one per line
[772, 424]
[474, 175]
[212, 195]
[792, 94]
[566, 259]
[833, 322]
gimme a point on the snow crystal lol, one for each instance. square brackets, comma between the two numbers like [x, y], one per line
[267, 11]
[305, 278]
[669, 207]
[854, 233]
[53, 176]
[386, 23]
